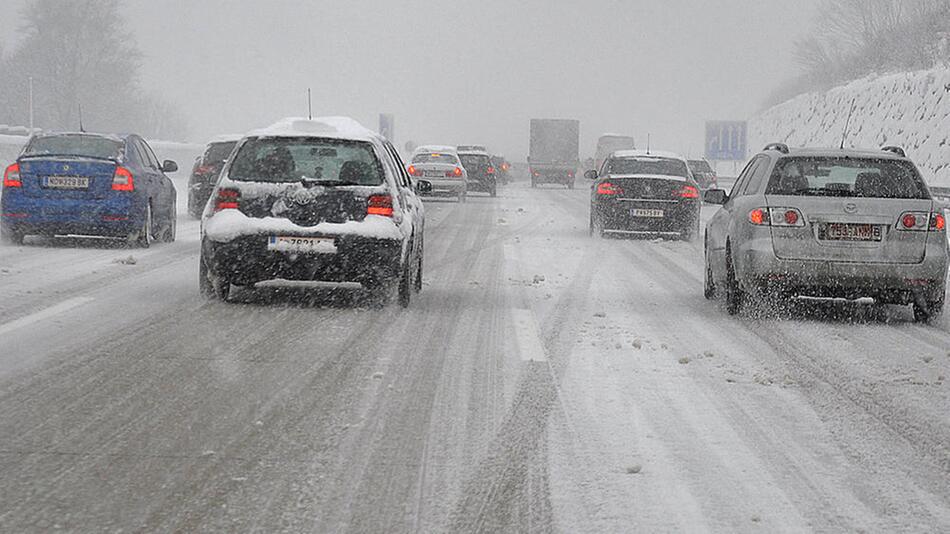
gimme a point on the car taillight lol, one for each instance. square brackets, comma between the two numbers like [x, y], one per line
[688, 191]
[205, 169]
[122, 180]
[380, 205]
[491, 170]
[938, 222]
[454, 173]
[413, 171]
[776, 217]
[228, 199]
[607, 188]
[915, 221]
[11, 177]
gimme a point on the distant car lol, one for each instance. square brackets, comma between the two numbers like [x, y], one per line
[828, 223]
[88, 185]
[317, 200]
[481, 173]
[703, 173]
[206, 170]
[644, 193]
[439, 171]
[502, 168]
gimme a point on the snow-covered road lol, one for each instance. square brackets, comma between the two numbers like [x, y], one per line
[544, 380]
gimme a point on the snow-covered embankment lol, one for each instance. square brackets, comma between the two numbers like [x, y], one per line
[910, 109]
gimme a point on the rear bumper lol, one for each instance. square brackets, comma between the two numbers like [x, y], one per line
[485, 184]
[198, 195]
[757, 267]
[246, 260]
[116, 216]
[616, 216]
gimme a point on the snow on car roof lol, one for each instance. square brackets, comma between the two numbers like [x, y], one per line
[333, 127]
[435, 148]
[646, 154]
[226, 138]
[114, 137]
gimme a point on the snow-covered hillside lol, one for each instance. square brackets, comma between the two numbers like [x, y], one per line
[909, 109]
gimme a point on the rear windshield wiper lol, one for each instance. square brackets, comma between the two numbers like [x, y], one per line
[311, 182]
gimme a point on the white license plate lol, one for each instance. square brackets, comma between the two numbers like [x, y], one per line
[302, 245]
[434, 174]
[852, 232]
[655, 214]
[67, 182]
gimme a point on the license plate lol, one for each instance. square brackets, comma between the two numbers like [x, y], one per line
[654, 214]
[302, 245]
[67, 182]
[434, 174]
[852, 232]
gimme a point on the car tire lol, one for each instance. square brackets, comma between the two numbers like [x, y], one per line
[9, 237]
[211, 285]
[926, 311]
[735, 296]
[405, 287]
[171, 230]
[143, 237]
[417, 283]
[709, 283]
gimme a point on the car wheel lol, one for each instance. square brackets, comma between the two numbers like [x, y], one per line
[735, 296]
[143, 238]
[211, 285]
[417, 283]
[709, 283]
[926, 311]
[9, 237]
[405, 286]
[171, 231]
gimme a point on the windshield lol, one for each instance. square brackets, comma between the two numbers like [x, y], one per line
[699, 166]
[277, 159]
[647, 166]
[449, 159]
[846, 177]
[90, 146]
[218, 152]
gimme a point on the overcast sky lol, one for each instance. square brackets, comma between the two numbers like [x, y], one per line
[466, 71]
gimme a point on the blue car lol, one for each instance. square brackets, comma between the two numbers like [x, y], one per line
[88, 185]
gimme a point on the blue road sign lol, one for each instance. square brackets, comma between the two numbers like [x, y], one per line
[726, 140]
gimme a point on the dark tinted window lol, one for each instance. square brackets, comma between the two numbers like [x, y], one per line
[699, 166]
[291, 159]
[92, 146]
[218, 152]
[474, 161]
[654, 166]
[846, 177]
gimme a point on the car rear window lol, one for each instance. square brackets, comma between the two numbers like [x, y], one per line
[474, 160]
[699, 166]
[654, 166]
[292, 159]
[218, 152]
[435, 158]
[846, 177]
[89, 146]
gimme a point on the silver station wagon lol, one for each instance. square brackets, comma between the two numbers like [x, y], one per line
[828, 223]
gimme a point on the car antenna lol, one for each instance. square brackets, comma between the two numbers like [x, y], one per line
[81, 129]
[309, 106]
[847, 123]
[648, 144]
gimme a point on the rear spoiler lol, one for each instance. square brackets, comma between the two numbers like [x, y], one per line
[73, 156]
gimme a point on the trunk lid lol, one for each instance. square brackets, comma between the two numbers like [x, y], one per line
[849, 229]
[74, 178]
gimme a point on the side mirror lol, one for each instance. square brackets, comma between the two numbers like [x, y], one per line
[716, 197]
[423, 186]
[591, 174]
[169, 166]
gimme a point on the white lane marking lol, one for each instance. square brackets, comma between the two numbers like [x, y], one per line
[528, 336]
[45, 313]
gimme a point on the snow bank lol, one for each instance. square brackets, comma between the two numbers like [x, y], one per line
[229, 224]
[909, 109]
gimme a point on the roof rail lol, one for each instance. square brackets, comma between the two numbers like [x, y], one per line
[895, 150]
[780, 147]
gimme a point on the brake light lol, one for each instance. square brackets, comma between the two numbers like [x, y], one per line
[122, 180]
[455, 173]
[689, 191]
[937, 222]
[228, 199]
[11, 177]
[413, 171]
[777, 217]
[607, 188]
[505, 166]
[380, 205]
[916, 221]
[759, 217]
[491, 170]
[791, 217]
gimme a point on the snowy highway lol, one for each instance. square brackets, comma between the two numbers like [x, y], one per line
[543, 380]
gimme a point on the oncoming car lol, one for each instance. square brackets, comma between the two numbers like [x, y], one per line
[314, 200]
[439, 172]
[644, 193]
[828, 223]
[90, 185]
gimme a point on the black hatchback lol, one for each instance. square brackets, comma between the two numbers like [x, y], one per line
[649, 194]
[481, 172]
